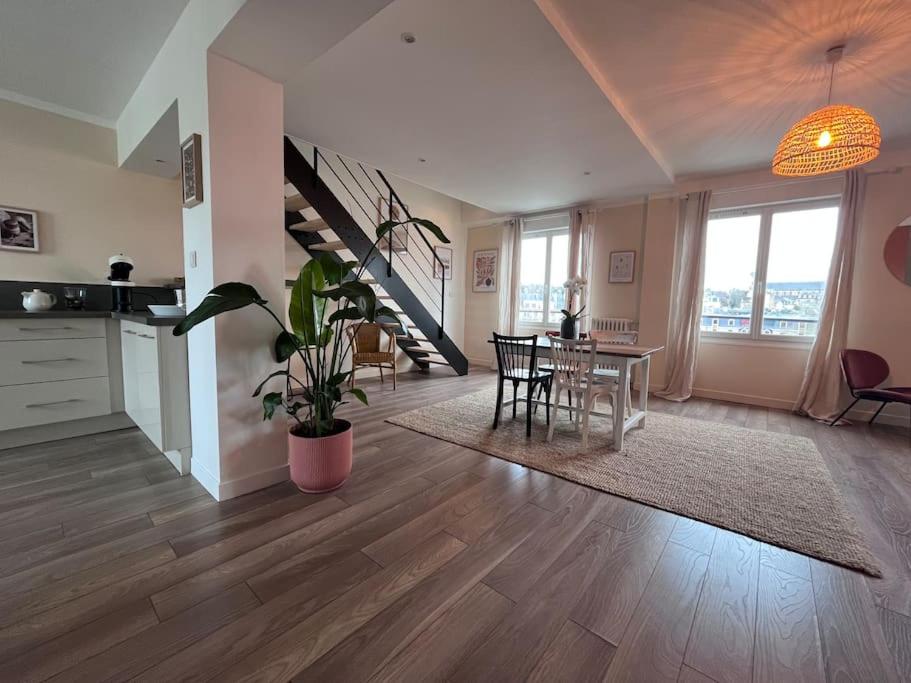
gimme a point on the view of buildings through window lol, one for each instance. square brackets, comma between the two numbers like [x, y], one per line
[545, 259]
[780, 254]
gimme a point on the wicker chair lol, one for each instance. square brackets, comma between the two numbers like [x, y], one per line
[368, 349]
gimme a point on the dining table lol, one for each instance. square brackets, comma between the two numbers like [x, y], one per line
[626, 358]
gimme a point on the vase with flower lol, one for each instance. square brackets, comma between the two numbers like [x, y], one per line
[569, 326]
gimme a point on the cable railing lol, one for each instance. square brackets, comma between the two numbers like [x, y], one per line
[371, 199]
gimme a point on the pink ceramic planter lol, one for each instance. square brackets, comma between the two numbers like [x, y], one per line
[320, 464]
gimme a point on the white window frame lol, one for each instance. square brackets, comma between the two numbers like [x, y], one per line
[527, 325]
[765, 212]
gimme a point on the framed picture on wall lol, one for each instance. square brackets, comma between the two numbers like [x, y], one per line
[385, 212]
[622, 266]
[191, 170]
[18, 229]
[444, 270]
[484, 270]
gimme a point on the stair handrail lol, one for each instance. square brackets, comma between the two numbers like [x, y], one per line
[438, 261]
[436, 264]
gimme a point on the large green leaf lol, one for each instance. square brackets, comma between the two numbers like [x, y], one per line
[212, 305]
[238, 290]
[359, 293]
[306, 308]
[335, 271]
[271, 401]
[359, 395]
[339, 378]
[435, 230]
[277, 373]
[349, 313]
[286, 345]
[386, 312]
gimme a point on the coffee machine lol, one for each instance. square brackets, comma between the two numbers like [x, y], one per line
[121, 285]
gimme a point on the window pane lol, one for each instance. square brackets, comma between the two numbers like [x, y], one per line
[799, 255]
[730, 272]
[559, 257]
[531, 280]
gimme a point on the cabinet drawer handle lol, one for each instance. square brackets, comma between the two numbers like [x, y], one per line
[47, 360]
[147, 336]
[43, 329]
[52, 403]
[128, 332]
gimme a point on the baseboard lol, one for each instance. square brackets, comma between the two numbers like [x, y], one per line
[892, 417]
[226, 490]
[26, 436]
[748, 399]
[180, 459]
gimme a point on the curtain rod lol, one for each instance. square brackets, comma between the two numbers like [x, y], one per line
[800, 181]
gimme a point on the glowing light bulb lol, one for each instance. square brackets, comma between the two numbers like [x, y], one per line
[825, 139]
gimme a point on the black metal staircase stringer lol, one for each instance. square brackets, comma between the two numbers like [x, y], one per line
[323, 200]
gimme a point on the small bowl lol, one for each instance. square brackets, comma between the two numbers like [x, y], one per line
[160, 309]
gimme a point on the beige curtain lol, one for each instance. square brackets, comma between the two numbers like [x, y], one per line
[686, 304]
[581, 241]
[820, 392]
[510, 272]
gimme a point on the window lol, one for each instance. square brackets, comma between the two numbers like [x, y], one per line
[545, 260]
[766, 270]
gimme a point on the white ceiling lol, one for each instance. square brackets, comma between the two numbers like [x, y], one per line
[489, 95]
[714, 84]
[509, 101]
[82, 57]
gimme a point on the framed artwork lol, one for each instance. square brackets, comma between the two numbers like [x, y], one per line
[191, 170]
[385, 212]
[485, 270]
[18, 229]
[622, 266]
[445, 255]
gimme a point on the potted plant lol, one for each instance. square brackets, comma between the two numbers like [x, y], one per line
[319, 444]
[569, 326]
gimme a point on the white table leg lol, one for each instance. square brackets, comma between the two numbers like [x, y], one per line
[620, 408]
[643, 390]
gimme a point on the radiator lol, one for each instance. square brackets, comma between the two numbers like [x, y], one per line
[612, 325]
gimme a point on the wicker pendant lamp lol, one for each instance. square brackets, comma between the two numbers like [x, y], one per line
[833, 138]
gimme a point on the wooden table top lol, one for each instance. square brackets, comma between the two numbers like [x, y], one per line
[622, 350]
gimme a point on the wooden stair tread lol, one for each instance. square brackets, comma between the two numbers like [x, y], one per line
[296, 203]
[336, 245]
[314, 225]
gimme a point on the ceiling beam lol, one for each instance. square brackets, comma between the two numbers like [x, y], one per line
[555, 17]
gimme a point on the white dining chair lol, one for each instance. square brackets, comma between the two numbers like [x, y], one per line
[574, 371]
[616, 336]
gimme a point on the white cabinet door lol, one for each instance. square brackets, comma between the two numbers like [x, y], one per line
[128, 341]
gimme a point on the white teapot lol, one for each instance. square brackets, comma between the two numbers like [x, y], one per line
[36, 300]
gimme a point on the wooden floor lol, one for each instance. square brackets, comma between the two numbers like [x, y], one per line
[434, 562]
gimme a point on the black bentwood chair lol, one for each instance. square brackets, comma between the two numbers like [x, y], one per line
[517, 359]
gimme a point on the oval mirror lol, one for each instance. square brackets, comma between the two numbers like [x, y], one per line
[897, 252]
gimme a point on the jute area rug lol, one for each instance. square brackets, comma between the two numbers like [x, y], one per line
[772, 487]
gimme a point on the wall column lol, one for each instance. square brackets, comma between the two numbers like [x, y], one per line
[236, 235]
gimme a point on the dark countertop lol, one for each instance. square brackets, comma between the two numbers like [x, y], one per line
[141, 317]
[21, 313]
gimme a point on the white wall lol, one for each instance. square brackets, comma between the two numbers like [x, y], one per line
[761, 373]
[88, 209]
[481, 308]
[246, 163]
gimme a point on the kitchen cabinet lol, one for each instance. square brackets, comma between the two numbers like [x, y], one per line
[52, 371]
[155, 388]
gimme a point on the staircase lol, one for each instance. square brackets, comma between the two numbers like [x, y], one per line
[333, 205]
